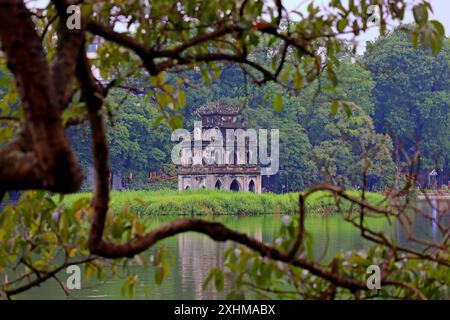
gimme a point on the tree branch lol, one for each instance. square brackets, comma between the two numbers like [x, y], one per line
[70, 42]
[44, 277]
[50, 162]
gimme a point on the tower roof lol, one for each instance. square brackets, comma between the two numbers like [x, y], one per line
[218, 108]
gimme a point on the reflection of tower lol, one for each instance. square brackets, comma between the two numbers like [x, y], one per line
[258, 234]
[197, 255]
[434, 218]
[440, 216]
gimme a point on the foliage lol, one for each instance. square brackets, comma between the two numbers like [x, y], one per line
[412, 96]
[135, 144]
[42, 235]
[252, 276]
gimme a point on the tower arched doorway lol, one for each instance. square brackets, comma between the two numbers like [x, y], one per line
[234, 185]
[218, 185]
[251, 186]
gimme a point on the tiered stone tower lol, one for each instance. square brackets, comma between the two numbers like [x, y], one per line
[234, 168]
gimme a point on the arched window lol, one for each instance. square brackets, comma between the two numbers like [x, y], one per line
[218, 185]
[234, 185]
[187, 188]
[251, 186]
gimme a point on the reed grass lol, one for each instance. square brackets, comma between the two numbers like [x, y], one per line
[218, 202]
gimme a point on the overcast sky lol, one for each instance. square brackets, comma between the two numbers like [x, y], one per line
[441, 12]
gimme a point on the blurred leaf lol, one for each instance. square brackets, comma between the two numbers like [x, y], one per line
[420, 13]
[182, 98]
[342, 24]
[334, 107]
[277, 103]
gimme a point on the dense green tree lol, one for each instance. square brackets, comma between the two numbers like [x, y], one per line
[305, 122]
[351, 149]
[412, 96]
[136, 145]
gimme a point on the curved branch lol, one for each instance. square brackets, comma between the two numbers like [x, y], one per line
[218, 232]
[108, 33]
[176, 56]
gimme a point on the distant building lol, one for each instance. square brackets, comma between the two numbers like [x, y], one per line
[231, 168]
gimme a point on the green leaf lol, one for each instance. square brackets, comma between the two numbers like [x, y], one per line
[284, 76]
[206, 76]
[162, 99]
[420, 13]
[208, 279]
[219, 280]
[414, 37]
[436, 43]
[266, 274]
[131, 290]
[168, 88]
[216, 274]
[216, 70]
[176, 122]
[332, 76]
[438, 26]
[158, 120]
[342, 24]
[347, 109]
[334, 107]
[277, 103]
[297, 80]
[182, 98]
[159, 274]
[76, 97]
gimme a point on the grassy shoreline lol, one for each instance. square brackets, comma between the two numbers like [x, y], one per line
[214, 202]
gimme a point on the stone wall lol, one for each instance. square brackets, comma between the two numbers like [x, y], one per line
[243, 182]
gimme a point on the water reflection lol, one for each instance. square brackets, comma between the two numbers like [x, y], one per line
[195, 254]
[426, 223]
[434, 218]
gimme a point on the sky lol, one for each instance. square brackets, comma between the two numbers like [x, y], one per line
[441, 12]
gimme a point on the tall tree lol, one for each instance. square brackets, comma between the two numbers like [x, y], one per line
[136, 145]
[412, 95]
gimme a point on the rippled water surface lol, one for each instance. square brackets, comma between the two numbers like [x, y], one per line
[194, 254]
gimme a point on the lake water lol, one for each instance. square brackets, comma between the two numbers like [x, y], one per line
[194, 254]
